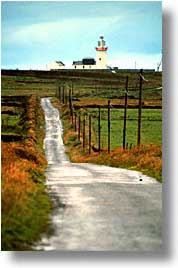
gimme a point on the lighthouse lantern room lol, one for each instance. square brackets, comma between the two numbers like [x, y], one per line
[101, 49]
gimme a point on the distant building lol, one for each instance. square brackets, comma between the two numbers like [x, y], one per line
[91, 63]
[56, 65]
[85, 63]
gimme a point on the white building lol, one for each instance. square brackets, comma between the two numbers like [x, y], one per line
[56, 65]
[90, 63]
[85, 63]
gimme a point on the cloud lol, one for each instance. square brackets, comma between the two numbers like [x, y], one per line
[66, 40]
[59, 31]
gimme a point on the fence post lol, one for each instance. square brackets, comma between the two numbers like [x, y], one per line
[89, 134]
[140, 109]
[66, 97]
[72, 86]
[99, 129]
[125, 113]
[109, 126]
[59, 93]
[84, 132]
[71, 106]
[70, 103]
[75, 121]
[79, 123]
[63, 97]
[72, 118]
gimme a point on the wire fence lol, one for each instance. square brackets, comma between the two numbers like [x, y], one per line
[108, 126]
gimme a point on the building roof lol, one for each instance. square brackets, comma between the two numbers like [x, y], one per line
[60, 63]
[85, 61]
[79, 62]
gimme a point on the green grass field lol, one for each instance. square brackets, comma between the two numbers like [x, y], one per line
[151, 127]
[85, 85]
[98, 86]
[25, 86]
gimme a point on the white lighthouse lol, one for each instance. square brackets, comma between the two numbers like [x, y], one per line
[90, 63]
[101, 49]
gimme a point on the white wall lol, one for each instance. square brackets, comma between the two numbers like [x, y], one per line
[84, 67]
[55, 66]
[101, 61]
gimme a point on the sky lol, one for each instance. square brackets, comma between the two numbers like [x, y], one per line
[35, 33]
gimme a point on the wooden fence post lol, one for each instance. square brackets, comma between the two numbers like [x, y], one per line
[63, 97]
[66, 97]
[140, 109]
[89, 134]
[75, 121]
[109, 126]
[125, 113]
[99, 129]
[70, 105]
[79, 123]
[72, 86]
[59, 93]
[70, 102]
[84, 132]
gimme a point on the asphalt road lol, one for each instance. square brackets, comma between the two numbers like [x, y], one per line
[97, 208]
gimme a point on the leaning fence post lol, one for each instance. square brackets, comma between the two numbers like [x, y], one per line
[140, 109]
[109, 126]
[125, 113]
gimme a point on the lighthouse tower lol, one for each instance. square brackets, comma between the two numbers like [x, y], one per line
[101, 50]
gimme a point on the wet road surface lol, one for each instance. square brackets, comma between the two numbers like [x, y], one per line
[97, 208]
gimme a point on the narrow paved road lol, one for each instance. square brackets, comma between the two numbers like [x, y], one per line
[97, 208]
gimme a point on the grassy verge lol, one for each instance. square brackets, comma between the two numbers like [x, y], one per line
[25, 203]
[146, 158]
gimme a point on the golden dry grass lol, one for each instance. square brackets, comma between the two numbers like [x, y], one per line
[25, 205]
